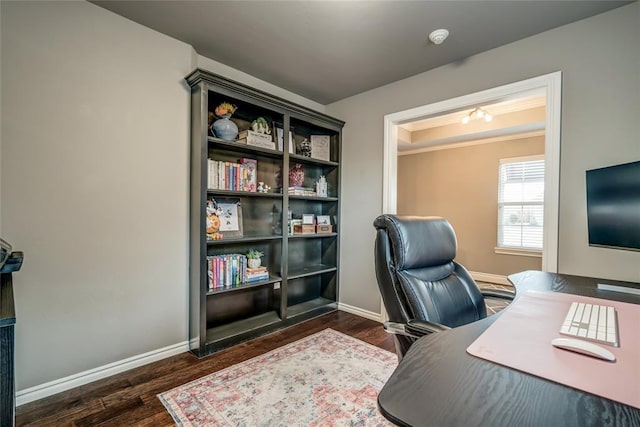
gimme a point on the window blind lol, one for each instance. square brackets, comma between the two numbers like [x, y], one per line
[521, 203]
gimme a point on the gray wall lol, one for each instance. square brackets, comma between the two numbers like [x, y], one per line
[600, 61]
[94, 158]
[94, 173]
[94, 168]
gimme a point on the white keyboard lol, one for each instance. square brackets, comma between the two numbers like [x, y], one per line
[592, 322]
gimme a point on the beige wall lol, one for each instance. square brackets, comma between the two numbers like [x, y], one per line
[461, 185]
[600, 64]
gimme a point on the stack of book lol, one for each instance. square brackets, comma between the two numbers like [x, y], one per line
[256, 139]
[257, 274]
[240, 176]
[226, 270]
[301, 191]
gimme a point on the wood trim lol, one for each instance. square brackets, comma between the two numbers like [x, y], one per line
[199, 75]
[56, 386]
[360, 312]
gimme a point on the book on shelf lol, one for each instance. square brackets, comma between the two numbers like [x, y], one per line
[249, 172]
[257, 276]
[230, 270]
[231, 176]
[301, 191]
[256, 139]
[226, 270]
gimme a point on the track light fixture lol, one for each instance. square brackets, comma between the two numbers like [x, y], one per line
[477, 113]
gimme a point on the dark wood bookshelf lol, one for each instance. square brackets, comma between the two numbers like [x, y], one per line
[245, 285]
[304, 269]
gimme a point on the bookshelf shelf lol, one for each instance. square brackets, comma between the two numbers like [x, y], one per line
[314, 198]
[310, 270]
[303, 269]
[240, 240]
[228, 193]
[219, 337]
[246, 285]
[310, 306]
[312, 236]
[243, 148]
[311, 161]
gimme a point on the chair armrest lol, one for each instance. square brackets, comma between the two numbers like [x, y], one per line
[424, 327]
[414, 328]
[496, 293]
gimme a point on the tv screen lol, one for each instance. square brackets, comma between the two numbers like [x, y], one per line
[613, 206]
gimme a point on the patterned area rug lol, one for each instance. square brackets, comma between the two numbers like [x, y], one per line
[326, 379]
[495, 305]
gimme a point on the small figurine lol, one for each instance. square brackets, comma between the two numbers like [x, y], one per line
[305, 148]
[263, 188]
[260, 125]
[213, 221]
[321, 187]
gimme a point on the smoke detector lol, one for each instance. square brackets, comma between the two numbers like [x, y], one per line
[438, 36]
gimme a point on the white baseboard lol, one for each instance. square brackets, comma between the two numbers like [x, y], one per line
[360, 312]
[491, 278]
[56, 386]
[62, 384]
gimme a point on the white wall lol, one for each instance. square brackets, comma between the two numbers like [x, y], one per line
[600, 61]
[94, 174]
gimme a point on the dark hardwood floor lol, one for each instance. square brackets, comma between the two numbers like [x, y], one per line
[129, 398]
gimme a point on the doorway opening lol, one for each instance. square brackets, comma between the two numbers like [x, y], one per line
[550, 86]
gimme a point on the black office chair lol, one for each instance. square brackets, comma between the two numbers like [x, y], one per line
[423, 289]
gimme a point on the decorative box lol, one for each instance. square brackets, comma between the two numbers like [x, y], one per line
[324, 229]
[304, 229]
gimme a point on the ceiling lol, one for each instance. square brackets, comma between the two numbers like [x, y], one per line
[330, 50]
[521, 115]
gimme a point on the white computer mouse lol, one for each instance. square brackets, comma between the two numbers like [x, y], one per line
[584, 347]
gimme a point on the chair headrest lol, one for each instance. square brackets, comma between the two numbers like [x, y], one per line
[418, 241]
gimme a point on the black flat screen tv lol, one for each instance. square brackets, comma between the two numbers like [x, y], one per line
[613, 206]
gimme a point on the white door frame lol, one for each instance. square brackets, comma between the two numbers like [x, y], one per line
[551, 84]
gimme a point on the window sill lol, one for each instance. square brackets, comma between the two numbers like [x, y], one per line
[520, 252]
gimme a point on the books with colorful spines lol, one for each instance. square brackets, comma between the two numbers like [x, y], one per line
[301, 191]
[211, 185]
[256, 274]
[249, 169]
[210, 273]
[263, 276]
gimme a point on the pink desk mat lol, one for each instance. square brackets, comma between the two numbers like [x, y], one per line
[521, 339]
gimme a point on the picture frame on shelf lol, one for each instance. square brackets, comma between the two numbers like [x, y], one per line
[230, 217]
[323, 220]
[307, 219]
[321, 147]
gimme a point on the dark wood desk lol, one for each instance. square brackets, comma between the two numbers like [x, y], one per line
[7, 334]
[438, 384]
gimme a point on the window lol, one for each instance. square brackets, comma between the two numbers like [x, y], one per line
[521, 203]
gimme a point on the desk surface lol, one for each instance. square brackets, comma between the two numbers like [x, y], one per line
[437, 383]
